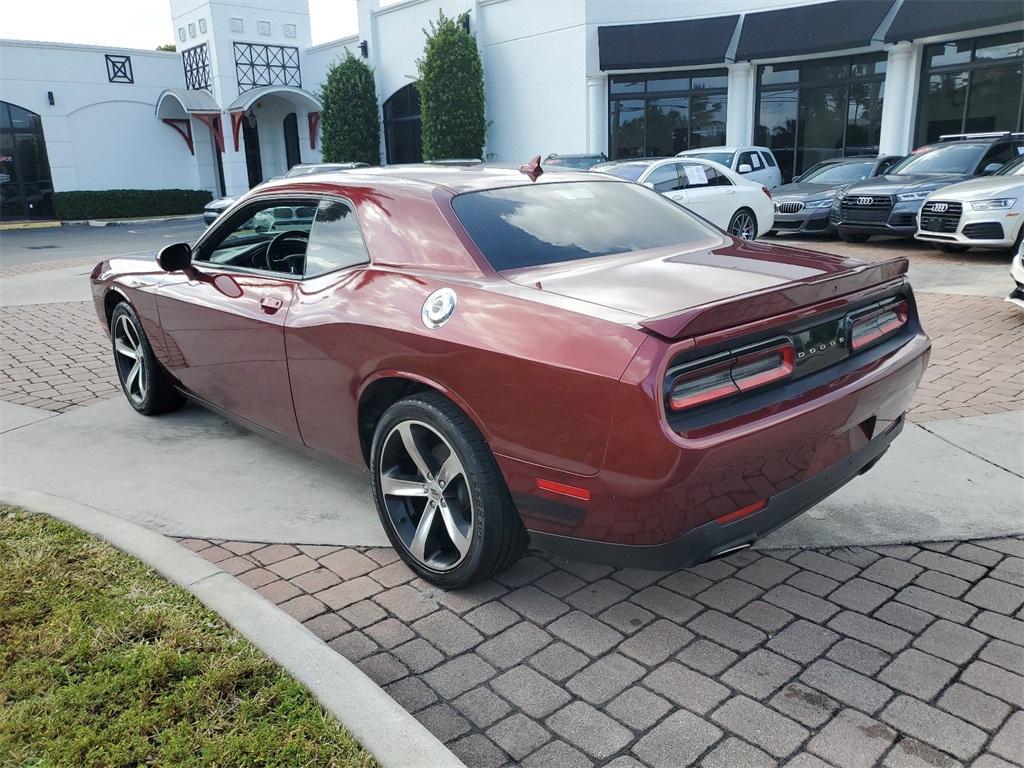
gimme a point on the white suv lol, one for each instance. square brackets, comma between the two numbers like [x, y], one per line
[987, 212]
[754, 163]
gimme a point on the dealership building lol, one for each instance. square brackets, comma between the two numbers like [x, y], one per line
[238, 101]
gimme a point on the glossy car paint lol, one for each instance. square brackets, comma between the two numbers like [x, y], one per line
[560, 367]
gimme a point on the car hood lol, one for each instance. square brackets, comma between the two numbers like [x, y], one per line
[900, 183]
[669, 288]
[984, 188]
[808, 191]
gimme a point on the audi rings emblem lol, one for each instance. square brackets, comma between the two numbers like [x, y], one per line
[865, 200]
[940, 207]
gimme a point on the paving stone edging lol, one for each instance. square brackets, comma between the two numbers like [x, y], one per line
[393, 736]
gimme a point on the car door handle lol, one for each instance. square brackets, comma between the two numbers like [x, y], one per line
[270, 305]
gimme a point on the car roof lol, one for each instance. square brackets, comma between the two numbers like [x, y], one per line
[454, 177]
[725, 148]
[577, 154]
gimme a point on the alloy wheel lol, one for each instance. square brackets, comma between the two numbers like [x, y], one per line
[743, 226]
[427, 496]
[130, 360]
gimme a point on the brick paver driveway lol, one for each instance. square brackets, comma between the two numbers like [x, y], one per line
[898, 655]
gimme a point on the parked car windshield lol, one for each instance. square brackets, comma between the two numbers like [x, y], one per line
[725, 158]
[627, 171]
[838, 173]
[952, 158]
[539, 224]
[581, 162]
[1013, 168]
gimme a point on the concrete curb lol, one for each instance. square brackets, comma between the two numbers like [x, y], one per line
[393, 736]
[129, 222]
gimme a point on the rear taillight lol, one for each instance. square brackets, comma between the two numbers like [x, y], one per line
[730, 374]
[872, 325]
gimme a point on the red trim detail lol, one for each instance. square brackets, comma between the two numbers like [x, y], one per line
[212, 121]
[236, 126]
[581, 494]
[184, 127]
[314, 126]
[741, 512]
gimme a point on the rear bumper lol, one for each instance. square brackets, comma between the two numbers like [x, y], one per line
[712, 539]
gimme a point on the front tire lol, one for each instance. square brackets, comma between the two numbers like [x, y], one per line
[440, 495]
[143, 381]
[743, 224]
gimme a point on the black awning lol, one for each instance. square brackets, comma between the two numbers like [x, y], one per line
[817, 28]
[666, 43]
[923, 18]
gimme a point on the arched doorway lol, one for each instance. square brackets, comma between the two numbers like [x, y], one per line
[26, 188]
[291, 140]
[402, 140]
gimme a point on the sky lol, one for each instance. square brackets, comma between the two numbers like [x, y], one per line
[137, 23]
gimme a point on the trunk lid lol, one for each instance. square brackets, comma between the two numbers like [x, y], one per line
[678, 292]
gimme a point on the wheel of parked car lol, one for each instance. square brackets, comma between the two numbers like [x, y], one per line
[440, 495]
[853, 237]
[772, 232]
[950, 247]
[743, 224]
[142, 379]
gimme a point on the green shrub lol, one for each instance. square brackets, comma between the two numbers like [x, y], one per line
[451, 88]
[349, 120]
[128, 203]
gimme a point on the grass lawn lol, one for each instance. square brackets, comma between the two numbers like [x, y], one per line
[103, 663]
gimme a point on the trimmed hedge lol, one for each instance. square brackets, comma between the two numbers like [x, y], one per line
[128, 203]
[349, 118]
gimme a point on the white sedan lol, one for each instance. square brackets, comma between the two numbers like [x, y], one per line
[739, 206]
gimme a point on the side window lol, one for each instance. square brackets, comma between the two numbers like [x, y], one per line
[1000, 153]
[665, 178]
[270, 235]
[753, 159]
[699, 176]
[768, 159]
[336, 242]
[717, 179]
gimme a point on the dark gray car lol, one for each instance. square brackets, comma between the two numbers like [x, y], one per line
[803, 205]
[888, 205]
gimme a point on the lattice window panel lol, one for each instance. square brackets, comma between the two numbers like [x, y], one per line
[197, 67]
[119, 69]
[257, 65]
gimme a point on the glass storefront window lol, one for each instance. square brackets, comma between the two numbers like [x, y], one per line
[820, 109]
[972, 86]
[666, 113]
[26, 189]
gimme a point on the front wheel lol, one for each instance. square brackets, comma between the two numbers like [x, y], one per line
[440, 495]
[743, 224]
[143, 381]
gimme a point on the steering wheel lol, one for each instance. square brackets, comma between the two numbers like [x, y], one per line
[268, 255]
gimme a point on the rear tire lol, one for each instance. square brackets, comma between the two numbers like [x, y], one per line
[950, 247]
[143, 380]
[446, 509]
[743, 224]
[853, 237]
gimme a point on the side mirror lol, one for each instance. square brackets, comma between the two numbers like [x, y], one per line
[991, 168]
[174, 258]
[797, 178]
[649, 184]
[744, 168]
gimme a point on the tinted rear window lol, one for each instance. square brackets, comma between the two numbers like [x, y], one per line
[549, 223]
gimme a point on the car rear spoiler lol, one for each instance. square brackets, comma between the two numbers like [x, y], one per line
[758, 305]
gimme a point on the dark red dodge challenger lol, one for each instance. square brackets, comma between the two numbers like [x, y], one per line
[565, 358]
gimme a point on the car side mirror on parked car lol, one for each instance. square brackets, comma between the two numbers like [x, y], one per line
[796, 179]
[744, 168]
[174, 258]
[649, 184]
[991, 168]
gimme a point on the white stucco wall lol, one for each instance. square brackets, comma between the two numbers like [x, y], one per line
[99, 135]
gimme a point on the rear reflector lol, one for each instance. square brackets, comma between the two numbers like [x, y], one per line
[581, 494]
[741, 512]
[738, 372]
[877, 324]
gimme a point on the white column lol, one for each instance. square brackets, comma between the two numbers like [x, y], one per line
[898, 102]
[597, 114]
[739, 120]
